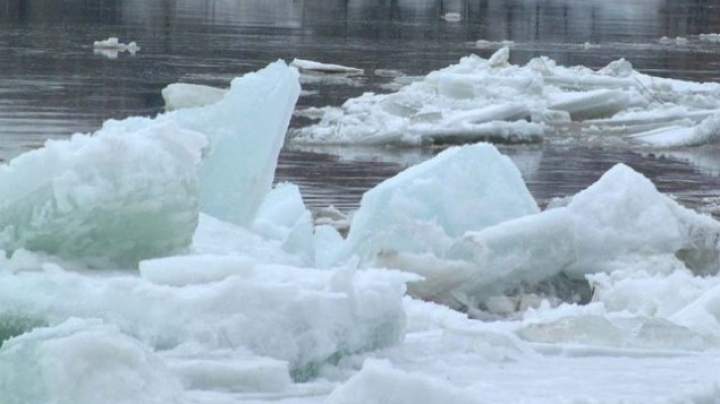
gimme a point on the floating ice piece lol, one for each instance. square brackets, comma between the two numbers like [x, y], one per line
[424, 208]
[246, 131]
[710, 38]
[325, 68]
[304, 317]
[616, 220]
[111, 47]
[101, 198]
[184, 95]
[83, 362]
[676, 41]
[452, 17]
[707, 132]
[482, 43]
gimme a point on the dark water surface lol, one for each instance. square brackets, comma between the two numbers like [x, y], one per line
[52, 84]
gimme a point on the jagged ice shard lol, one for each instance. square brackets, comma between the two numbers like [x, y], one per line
[245, 131]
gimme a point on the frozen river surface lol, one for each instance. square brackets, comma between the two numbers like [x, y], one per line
[53, 84]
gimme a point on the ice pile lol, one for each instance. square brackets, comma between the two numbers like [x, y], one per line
[491, 99]
[616, 286]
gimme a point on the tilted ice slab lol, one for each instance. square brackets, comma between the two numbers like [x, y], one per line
[304, 317]
[426, 207]
[246, 131]
[109, 199]
[479, 99]
[620, 219]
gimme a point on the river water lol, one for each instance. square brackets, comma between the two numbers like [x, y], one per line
[53, 84]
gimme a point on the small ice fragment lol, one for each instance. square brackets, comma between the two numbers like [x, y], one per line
[110, 43]
[710, 38]
[327, 68]
[452, 17]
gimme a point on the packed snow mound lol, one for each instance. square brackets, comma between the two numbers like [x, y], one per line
[493, 100]
[426, 207]
[303, 317]
[101, 199]
[245, 130]
[185, 95]
[618, 220]
[83, 362]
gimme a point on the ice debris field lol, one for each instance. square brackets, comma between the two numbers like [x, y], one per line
[154, 262]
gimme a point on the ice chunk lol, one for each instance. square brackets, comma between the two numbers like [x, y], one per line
[184, 95]
[592, 104]
[111, 47]
[327, 68]
[83, 362]
[605, 227]
[452, 17]
[710, 38]
[378, 382]
[215, 237]
[109, 199]
[424, 208]
[283, 217]
[246, 130]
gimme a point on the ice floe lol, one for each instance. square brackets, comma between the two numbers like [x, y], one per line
[491, 99]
